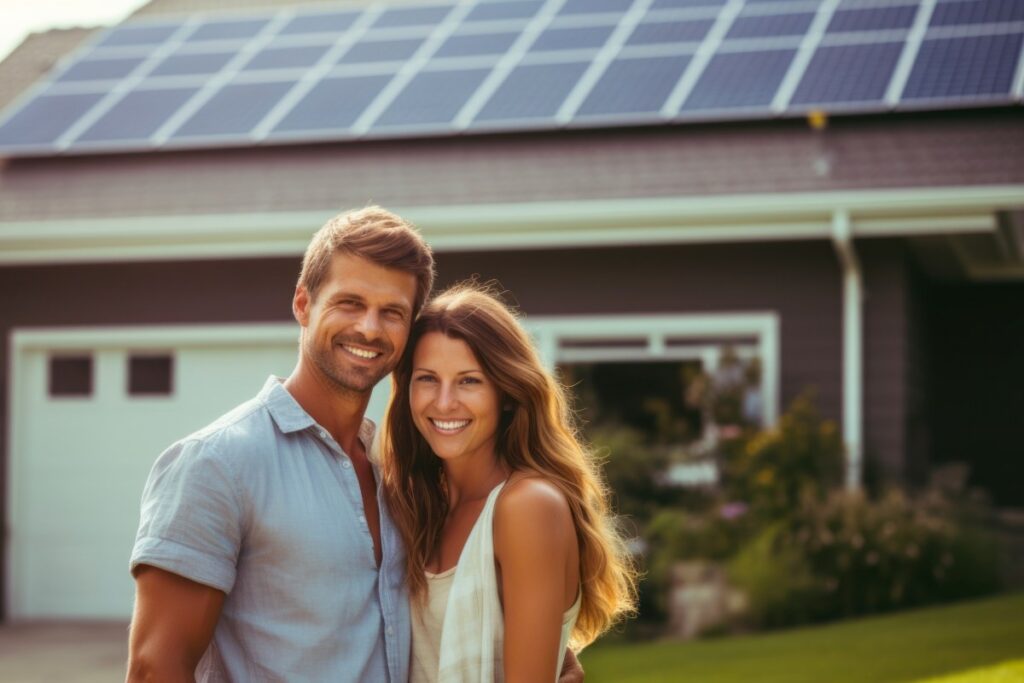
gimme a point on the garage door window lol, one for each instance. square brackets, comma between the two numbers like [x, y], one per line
[70, 376]
[150, 374]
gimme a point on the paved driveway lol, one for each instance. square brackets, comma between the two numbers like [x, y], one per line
[93, 652]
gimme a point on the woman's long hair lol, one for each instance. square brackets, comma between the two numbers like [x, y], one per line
[535, 434]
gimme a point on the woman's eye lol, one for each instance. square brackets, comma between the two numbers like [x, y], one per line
[425, 378]
[471, 380]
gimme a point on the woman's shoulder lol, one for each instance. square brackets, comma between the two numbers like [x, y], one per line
[526, 490]
[531, 504]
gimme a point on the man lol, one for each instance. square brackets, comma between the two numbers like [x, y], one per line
[264, 552]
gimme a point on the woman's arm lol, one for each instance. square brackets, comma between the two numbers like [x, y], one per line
[535, 547]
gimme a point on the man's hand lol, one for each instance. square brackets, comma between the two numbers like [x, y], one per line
[572, 672]
[172, 626]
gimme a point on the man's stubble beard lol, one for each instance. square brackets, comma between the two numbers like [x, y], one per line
[345, 380]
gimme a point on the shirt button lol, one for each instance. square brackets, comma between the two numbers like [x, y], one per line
[346, 464]
[323, 434]
[390, 631]
[362, 518]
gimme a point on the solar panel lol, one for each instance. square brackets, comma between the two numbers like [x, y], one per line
[495, 11]
[963, 12]
[138, 115]
[634, 86]
[532, 91]
[740, 79]
[100, 69]
[333, 104]
[760, 26]
[234, 110]
[872, 18]
[328, 22]
[669, 32]
[301, 56]
[571, 38]
[44, 118]
[475, 44]
[848, 73]
[432, 98]
[319, 73]
[192, 64]
[964, 67]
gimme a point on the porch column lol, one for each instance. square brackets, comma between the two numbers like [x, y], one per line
[853, 349]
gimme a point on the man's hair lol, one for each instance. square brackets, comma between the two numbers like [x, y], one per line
[376, 235]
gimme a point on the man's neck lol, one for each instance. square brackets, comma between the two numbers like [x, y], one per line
[339, 412]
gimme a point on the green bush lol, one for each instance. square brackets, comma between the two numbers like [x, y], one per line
[773, 470]
[848, 556]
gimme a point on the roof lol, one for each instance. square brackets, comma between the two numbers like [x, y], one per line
[287, 76]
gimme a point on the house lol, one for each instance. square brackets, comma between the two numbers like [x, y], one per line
[833, 187]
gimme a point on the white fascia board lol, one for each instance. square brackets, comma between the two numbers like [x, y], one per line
[148, 337]
[527, 225]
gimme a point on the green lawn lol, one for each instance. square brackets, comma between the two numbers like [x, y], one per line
[902, 647]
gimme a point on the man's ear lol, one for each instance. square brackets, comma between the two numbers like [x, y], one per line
[300, 305]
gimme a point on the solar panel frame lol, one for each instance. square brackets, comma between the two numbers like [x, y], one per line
[136, 116]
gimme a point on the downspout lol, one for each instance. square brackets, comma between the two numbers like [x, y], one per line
[853, 349]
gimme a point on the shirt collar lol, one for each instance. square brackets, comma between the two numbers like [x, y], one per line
[290, 417]
[286, 411]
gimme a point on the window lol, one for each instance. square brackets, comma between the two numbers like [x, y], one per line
[70, 376]
[150, 374]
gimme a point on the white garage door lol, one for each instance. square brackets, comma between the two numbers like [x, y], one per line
[79, 459]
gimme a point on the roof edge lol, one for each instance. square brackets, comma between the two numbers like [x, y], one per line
[530, 225]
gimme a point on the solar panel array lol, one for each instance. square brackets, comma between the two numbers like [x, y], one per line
[504, 65]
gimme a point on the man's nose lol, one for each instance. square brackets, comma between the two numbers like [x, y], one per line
[369, 325]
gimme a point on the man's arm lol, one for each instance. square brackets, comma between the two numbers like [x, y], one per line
[572, 672]
[172, 626]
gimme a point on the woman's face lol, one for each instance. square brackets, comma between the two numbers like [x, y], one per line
[454, 405]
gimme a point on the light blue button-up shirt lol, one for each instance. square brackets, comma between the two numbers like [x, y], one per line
[264, 505]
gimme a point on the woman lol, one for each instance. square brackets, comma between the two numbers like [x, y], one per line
[512, 553]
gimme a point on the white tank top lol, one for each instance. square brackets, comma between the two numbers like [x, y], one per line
[428, 616]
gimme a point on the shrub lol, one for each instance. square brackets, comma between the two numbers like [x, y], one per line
[848, 556]
[774, 470]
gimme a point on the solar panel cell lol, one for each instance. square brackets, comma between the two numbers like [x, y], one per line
[296, 57]
[964, 67]
[764, 25]
[125, 36]
[431, 98]
[634, 86]
[685, 4]
[192, 64]
[368, 51]
[44, 119]
[573, 38]
[234, 110]
[100, 69]
[138, 115]
[739, 79]
[532, 91]
[333, 104]
[412, 16]
[227, 30]
[333, 22]
[473, 44]
[515, 9]
[669, 32]
[595, 6]
[977, 12]
[848, 73]
[872, 18]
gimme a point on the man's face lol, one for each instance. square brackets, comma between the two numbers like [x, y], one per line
[357, 326]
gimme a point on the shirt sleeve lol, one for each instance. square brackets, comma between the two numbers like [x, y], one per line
[190, 522]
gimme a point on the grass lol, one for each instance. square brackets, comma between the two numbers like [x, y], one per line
[903, 647]
[1008, 672]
